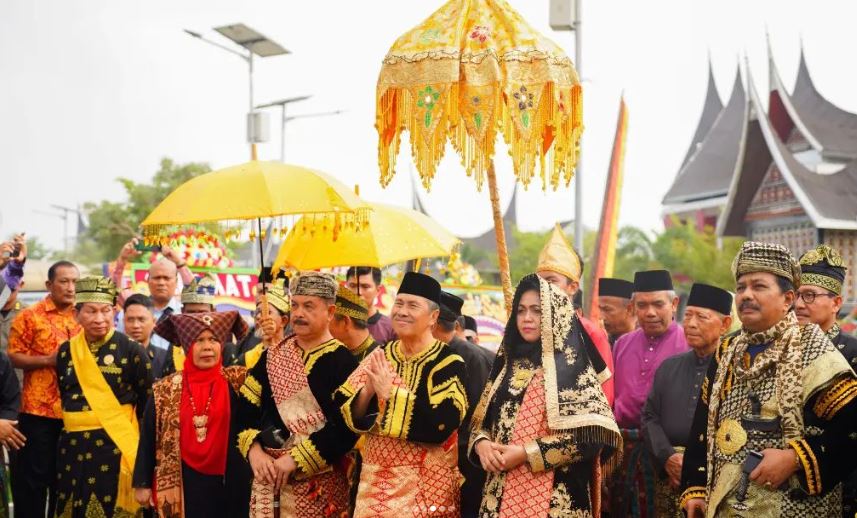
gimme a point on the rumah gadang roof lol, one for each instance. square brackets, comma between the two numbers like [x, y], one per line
[830, 200]
[710, 110]
[828, 128]
[710, 168]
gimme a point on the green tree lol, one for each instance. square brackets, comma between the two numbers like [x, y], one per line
[111, 224]
[692, 255]
[633, 253]
[524, 257]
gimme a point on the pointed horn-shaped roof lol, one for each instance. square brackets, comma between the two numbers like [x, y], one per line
[828, 128]
[710, 109]
[709, 171]
[830, 200]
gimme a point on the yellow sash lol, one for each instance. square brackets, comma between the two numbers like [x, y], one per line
[124, 432]
[178, 358]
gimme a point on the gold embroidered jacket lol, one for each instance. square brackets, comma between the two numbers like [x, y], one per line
[428, 401]
[829, 411]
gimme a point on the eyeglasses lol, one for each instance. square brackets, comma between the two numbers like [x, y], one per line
[809, 296]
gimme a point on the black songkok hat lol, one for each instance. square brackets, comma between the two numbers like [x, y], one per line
[653, 280]
[470, 324]
[823, 267]
[450, 307]
[710, 297]
[421, 285]
[609, 287]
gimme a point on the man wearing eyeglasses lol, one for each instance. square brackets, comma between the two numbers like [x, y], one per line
[819, 300]
[820, 297]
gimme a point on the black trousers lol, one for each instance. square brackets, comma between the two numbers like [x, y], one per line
[34, 467]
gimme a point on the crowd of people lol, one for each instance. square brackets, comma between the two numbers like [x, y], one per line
[137, 404]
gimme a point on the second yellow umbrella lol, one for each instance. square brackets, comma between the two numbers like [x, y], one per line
[392, 235]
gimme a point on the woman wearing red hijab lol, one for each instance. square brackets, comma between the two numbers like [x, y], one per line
[188, 464]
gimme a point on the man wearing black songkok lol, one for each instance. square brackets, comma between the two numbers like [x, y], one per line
[477, 362]
[671, 403]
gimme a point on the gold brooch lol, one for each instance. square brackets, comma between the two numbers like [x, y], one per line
[108, 359]
[731, 437]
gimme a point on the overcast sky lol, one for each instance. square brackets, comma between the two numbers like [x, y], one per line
[97, 89]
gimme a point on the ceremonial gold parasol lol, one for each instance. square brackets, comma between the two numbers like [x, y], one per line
[472, 69]
[392, 235]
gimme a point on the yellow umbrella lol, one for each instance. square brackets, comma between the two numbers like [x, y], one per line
[392, 235]
[255, 190]
[474, 68]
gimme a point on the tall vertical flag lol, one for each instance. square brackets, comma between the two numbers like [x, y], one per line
[605, 245]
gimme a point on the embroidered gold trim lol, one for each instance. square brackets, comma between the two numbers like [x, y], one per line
[822, 281]
[252, 390]
[810, 465]
[314, 354]
[396, 419]
[690, 493]
[246, 439]
[308, 458]
[450, 389]
[730, 437]
[534, 456]
[834, 398]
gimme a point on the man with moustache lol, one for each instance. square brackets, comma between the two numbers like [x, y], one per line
[288, 394]
[637, 356]
[777, 393]
[671, 403]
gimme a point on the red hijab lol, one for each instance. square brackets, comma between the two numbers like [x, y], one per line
[207, 457]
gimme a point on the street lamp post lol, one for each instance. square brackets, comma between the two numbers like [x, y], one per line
[282, 103]
[256, 44]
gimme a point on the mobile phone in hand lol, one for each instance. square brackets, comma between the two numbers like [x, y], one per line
[140, 247]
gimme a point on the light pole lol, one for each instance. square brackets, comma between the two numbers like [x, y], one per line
[284, 118]
[64, 217]
[282, 104]
[567, 15]
[255, 44]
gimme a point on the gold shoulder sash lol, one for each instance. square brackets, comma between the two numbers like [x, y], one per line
[122, 431]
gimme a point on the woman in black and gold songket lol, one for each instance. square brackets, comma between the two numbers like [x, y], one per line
[188, 464]
[543, 428]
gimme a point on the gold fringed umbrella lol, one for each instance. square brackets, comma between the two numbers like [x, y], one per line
[474, 68]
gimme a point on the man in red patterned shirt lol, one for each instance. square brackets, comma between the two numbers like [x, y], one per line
[36, 334]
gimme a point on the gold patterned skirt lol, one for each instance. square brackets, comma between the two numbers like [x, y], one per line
[400, 478]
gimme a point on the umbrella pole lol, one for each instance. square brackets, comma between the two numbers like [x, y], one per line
[500, 234]
[264, 299]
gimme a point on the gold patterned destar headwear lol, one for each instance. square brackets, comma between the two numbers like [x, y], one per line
[277, 296]
[352, 305]
[823, 267]
[559, 256]
[95, 289]
[766, 257]
[314, 284]
[199, 291]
